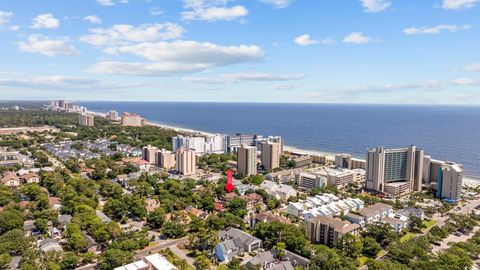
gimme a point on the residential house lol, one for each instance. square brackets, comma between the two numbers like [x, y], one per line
[92, 245]
[103, 217]
[376, 212]
[234, 242]
[49, 245]
[10, 179]
[30, 178]
[355, 219]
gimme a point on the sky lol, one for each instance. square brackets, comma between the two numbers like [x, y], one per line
[313, 51]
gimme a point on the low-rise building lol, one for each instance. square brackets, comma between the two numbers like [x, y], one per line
[328, 230]
[374, 213]
[150, 262]
[234, 242]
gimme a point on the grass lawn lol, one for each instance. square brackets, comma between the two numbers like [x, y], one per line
[362, 260]
[175, 260]
[407, 236]
[429, 224]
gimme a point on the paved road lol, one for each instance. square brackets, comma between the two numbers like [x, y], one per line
[164, 244]
[453, 239]
[180, 253]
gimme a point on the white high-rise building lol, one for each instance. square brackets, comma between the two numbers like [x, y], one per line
[113, 116]
[201, 145]
[396, 171]
[186, 161]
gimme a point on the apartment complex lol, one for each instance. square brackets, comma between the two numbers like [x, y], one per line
[165, 159]
[247, 160]
[132, 120]
[397, 171]
[186, 161]
[307, 181]
[233, 142]
[201, 145]
[328, 230]
[85, 120]
[149, 153]
[113, 116]
[445, 177]
[348, 162]
[270, 155]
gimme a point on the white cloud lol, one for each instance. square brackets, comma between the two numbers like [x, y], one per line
[466, 82]
[282, 86]
[124, 34]
[212, 10]
[156, 11]
[373, 6]
[46, 46]
[458, 4]
[278, 3]
[473, 67]
[109, 3]
[5, 17]
[238, 77]
[93, 19]
[57, 82]
[46, 21]
[177, 57]
[357, 38]
[435, 29]
[306, 40]
[14, 28]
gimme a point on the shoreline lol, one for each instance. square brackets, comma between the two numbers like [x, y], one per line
[467, 180]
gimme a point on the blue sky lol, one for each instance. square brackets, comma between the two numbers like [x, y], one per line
[325, 51]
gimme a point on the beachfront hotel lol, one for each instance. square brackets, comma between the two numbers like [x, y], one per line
[445, 177]
[132, 120]
[247, 160]
[397, 171]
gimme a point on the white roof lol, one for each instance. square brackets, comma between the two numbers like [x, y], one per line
[159, 262]
[133, 266]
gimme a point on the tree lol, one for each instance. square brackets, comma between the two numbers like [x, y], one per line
[5, 260]
[173, 230]
[327, 259]
[370, 247]
[349, 245]
[115, 208]
[156, 218]
[381, 232]
[41, 224]
[13, 242]
[280, 249]
[415, 224]
[238, 207]
[10, 219]
[202, 263]
[69, 261]
[113, 258]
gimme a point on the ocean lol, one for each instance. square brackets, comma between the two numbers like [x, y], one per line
[444, 132]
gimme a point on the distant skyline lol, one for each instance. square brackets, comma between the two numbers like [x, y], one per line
[349, 51]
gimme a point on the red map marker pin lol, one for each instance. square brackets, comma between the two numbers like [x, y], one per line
[229, 186]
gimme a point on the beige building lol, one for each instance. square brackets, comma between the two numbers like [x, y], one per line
[450, 184]
[112, 116]
[270, 155]
[327, 230]
[149, 153]
[388, 169]
[307, 181]
[166, 159]
[85, 120]
[247, 160]
[132, 120]
[186, 161]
